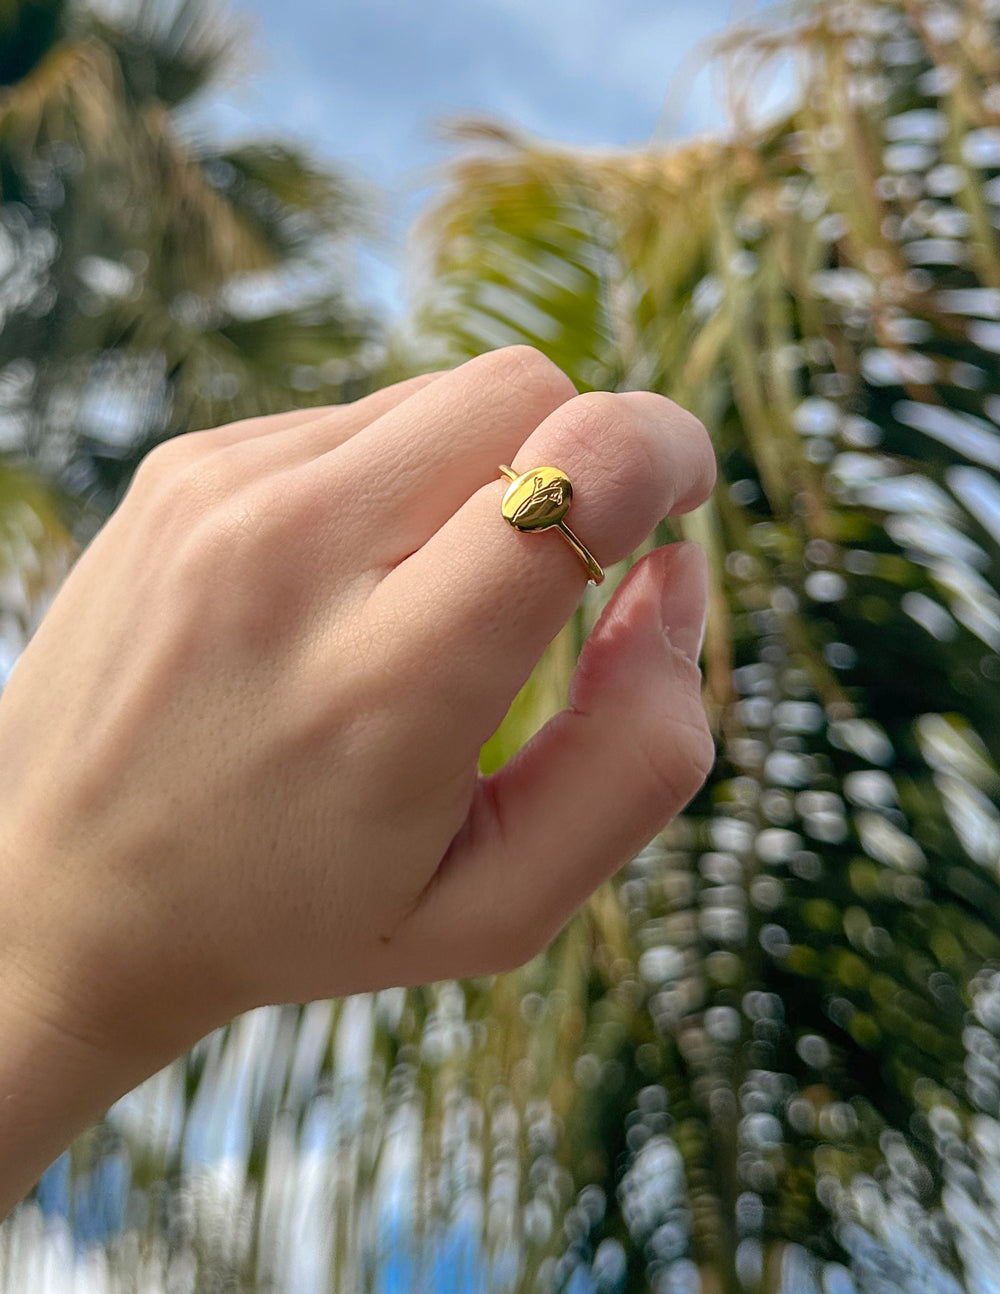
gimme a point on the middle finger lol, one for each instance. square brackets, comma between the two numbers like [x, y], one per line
[381, 494]
[473, 609]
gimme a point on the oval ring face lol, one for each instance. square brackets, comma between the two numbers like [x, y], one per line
[537, 499]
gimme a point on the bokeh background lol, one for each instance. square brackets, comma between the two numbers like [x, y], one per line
[766, 1056]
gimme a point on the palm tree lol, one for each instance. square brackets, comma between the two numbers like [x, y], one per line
[764, 1057]
[810, 1034]
[151, 280]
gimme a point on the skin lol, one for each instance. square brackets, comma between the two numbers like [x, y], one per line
[240, 752]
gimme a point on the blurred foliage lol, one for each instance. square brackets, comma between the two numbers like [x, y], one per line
[152, 281]
[767, 1055]
[36, 552]
[805, 987]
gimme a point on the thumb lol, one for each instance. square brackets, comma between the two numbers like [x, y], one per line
[588, 791]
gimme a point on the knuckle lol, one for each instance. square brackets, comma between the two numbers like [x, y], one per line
[594, 413]
[679, 757]
[163, 459]
[531, 368]
[255, 527]
[237, 519]
[194, 488]
[595, 416]
[680, 419]
[642, 435]
[180, 477]
[599, 426]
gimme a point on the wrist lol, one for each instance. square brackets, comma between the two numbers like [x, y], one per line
[54, 1081]
[78, 1025]
[97, 957]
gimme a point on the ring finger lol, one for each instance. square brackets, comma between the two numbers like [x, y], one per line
[475, 606]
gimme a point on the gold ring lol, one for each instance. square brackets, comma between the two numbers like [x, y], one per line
[538, 500]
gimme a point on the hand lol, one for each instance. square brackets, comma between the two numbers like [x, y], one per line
[241, 750]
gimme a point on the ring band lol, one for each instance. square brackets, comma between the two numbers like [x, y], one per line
[538, 500]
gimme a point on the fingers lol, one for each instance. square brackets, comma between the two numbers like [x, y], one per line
[477, 604]
[587, 792]
[300, 442]
[306, 433]
[398, 480]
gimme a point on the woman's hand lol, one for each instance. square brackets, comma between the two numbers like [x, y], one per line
[240, 754]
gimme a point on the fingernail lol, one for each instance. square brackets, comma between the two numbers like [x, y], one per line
[684, 601]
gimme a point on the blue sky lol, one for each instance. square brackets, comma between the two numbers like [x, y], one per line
[364, 82]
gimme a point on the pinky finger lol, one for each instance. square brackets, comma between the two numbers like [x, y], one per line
[326, 425]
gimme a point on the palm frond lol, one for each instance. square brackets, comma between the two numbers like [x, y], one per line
[291, 201]
[169, 51]
[765, 1057]
[827, 912]
[139, 242]
[27, 29]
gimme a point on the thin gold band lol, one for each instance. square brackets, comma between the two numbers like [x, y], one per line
[539, 500]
